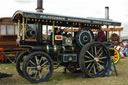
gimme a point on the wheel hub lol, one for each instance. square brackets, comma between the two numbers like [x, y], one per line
[38, 68]
[96, 59]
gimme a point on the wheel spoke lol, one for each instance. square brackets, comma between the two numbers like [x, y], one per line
[40, 60]
[88, 61]
[100, 67]
[31, 72]
[88, 65]
[36, 74]
[99, 50]
[40, 75]
[36, 60]
[32, 62]
[94, 69]
[44, 71]
[31, 67]
[91, 67]
[47, 67]
[103, 57]
[101, 61]
[87, 57]
[100, 54]
[44, 63]
[90, 54]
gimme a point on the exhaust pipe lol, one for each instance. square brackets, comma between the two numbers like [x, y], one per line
[39, 6]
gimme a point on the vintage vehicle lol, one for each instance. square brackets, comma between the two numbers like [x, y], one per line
[50, 38]
[8, 36]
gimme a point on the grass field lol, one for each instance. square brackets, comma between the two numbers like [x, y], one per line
[58, 78]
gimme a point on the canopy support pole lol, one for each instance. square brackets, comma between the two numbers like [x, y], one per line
[53, 33]
[47, 31]
[107, 33]
[19, 29]
[23, 24]
[119, 36]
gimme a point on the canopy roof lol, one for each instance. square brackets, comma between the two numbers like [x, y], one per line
[61, 20]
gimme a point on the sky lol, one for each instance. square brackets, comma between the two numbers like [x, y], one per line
[118, 9]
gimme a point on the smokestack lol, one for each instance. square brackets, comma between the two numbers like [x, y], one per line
[39, 6]
[107, 12]
[107, 17]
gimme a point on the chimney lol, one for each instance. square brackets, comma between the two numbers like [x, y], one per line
[107, 12]
[107, 17]
[39, 6]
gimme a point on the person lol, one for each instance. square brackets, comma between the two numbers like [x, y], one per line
[122, 50]
[49, 32]
[114, 37]
[100, 36]
[58, 31]
[119, 46]
[126, 50]
[125, 44]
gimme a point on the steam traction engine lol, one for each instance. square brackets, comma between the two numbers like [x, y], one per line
[66, 40]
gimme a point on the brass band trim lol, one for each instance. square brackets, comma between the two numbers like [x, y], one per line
[73, 49]
[63, 48]
[55, 48]
[47, 49]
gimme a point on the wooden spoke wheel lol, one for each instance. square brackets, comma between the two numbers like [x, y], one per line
[94, 59]
[115, 55]
[19, 62]
[38, 67]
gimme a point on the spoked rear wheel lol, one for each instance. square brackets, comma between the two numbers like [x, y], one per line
[94, 59]
[38, 67]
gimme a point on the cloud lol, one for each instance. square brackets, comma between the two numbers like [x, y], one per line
[25, 1]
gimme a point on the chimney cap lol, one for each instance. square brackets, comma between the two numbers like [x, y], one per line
[107, 7]
[39, 9]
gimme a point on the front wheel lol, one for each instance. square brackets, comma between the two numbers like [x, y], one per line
[38, 67]
[94, 59]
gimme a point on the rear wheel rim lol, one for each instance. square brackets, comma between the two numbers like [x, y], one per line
[96, 60]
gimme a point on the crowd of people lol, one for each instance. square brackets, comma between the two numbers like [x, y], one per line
[122, 47]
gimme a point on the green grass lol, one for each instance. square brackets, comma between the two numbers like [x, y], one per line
[58, 78]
